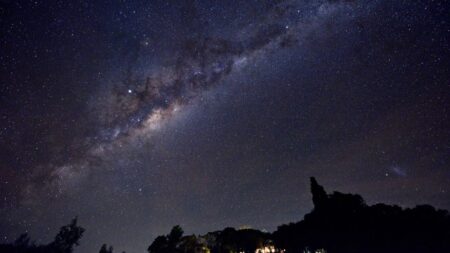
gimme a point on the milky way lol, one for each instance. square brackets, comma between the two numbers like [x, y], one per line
[139, 115]
[145, 103]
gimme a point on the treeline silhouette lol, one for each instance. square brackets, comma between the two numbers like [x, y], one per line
[345, 223]
[64, 242]
[338, 223]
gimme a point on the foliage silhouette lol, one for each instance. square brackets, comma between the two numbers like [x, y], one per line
[169, 243]
[345, 223]
[106, 249]
[64, 242]
[338, 223]
[68, 237]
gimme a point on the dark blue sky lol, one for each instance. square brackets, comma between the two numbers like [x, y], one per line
[139, 115]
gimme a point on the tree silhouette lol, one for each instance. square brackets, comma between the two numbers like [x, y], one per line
[188, 244]
[105, 249]
[168, 243]
[64, 242]
[174, 237]
[343, 222]
[228, 240]
[159, 245]
[68, 237]
[248, 240]
[338, 223]
[319, 196]
[23, 241]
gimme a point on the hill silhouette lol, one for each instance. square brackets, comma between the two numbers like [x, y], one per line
[338, 223]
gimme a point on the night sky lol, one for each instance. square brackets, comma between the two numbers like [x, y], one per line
[139, 115]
